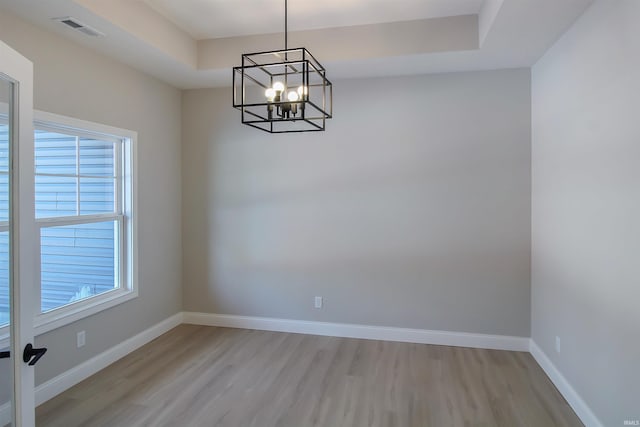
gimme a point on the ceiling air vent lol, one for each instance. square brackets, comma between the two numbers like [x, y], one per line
[79, 26]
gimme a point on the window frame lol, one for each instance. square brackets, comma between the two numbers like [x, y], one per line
[126, 200]
[125, 212]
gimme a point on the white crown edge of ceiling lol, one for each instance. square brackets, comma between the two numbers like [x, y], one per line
[495, 53]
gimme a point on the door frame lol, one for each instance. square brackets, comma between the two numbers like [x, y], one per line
[22, 279]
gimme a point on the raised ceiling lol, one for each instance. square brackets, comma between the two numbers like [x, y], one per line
[208, 19]
[194, 43]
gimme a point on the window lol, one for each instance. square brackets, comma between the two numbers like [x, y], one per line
[84, 218]
[78, 214]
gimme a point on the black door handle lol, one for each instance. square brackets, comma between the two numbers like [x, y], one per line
[5, 354]
[32, 355]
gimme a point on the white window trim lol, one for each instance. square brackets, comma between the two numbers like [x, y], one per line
[54, 319]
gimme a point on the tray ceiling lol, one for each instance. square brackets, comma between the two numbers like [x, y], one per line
[206, 19]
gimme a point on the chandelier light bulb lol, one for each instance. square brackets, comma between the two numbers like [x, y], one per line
[270, 93]
[278, 87]
[292, 96]
[303, 90]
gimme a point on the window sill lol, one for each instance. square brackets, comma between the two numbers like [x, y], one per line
[65, 315]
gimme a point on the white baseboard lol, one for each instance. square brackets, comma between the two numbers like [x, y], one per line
[68, 379]
[419, 336]
[565, 388]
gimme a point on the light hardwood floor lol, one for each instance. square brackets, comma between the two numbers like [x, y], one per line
[206, 376]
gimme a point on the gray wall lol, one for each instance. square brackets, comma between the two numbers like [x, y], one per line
[74, 81]
[412, 210]
[586, 206]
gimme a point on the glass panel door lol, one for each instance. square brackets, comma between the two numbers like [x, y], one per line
[6, 362]
[17, 237]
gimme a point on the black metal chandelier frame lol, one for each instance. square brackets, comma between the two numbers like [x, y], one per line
[262, 90]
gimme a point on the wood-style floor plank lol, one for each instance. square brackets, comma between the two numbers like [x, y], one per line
[218, 377]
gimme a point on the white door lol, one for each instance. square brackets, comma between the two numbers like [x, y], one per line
[17, 221]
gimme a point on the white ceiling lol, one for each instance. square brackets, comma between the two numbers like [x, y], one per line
[440, 37]
[207, 19]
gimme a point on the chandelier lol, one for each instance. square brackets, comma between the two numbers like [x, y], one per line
[283, 91]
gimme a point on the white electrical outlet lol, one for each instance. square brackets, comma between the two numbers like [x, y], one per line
[558, 344]
[318, 302]
[80, 339]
